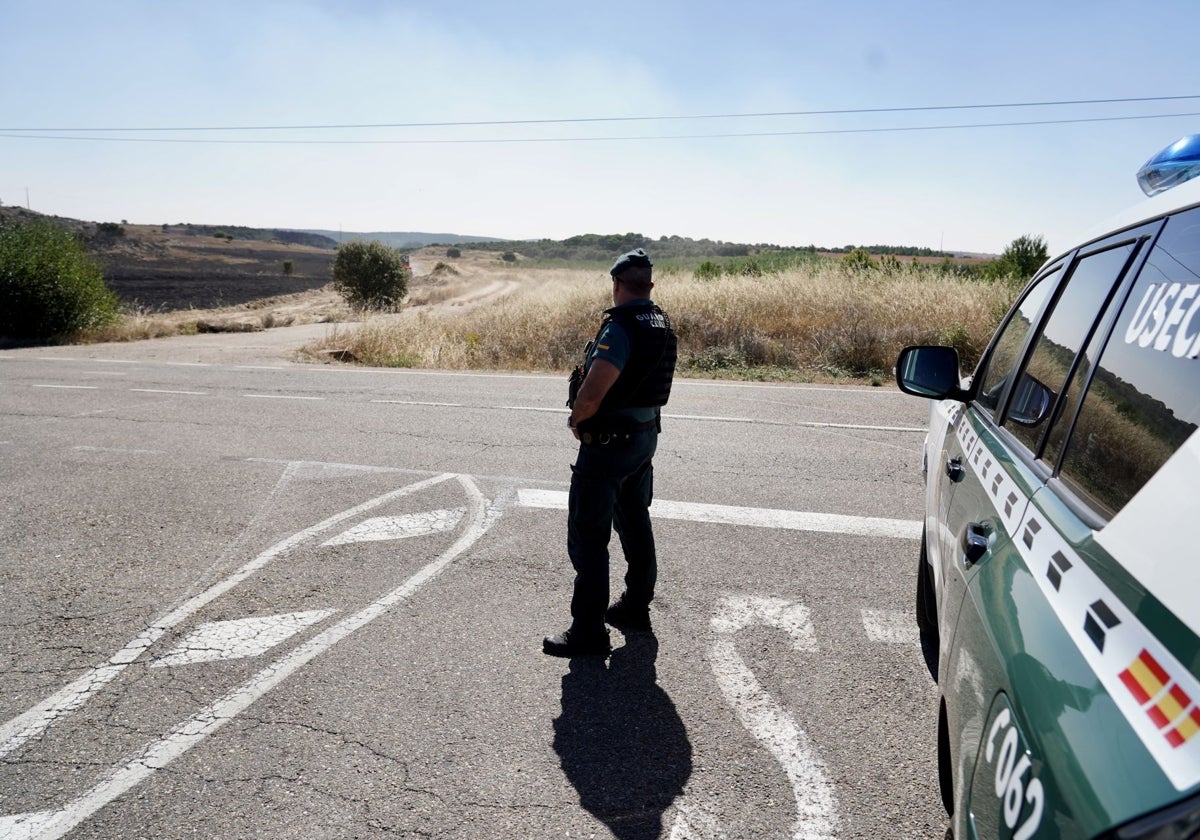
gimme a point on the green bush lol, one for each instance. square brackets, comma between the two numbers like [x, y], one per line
[707, 270]
[453, 253]
[859, 260]
[49, 287]
[370, 275]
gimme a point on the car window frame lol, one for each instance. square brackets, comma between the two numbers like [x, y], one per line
[1143, 236]
[992, 415]
[1078, 505]
[1101, 325]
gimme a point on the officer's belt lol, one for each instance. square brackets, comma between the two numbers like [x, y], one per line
[616, 434]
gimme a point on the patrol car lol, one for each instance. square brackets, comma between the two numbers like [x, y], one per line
[1058, 592]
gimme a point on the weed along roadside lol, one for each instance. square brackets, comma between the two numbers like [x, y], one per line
[818, 322]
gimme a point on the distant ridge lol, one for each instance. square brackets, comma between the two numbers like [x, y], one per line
[394, 239]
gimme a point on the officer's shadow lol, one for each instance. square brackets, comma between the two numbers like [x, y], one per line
[620, 740]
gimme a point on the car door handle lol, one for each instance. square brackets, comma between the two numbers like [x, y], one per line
[974, 542]
[955, 470]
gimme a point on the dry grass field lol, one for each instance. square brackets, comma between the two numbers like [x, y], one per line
[822, 323]
[818, 321]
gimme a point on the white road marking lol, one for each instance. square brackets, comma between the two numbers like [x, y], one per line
[240, 638]
[79, 359]
[71, 387]
[118, 450]
[195, 729]
[738, 612]
[164, 391]
[418, 402]
[890, 627]
[695, 822]
[25, 826]
[66, 700]
[808, 424]
[766, 720]
[280, 397]
[792, 520]
[400, 527]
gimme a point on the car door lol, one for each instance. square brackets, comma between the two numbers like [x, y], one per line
[971, 461]
[1026, 399]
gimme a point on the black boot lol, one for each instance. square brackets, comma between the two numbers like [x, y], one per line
[571, 643]
[627, 616]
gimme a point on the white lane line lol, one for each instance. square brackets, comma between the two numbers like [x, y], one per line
[119, 450]
[703, 418]
[280, 397]
[418, 402]
[165, 391]
[80, 359]
[789, 520]
[531, 408]
[257, 367]
[33, 722]
[890, 627]
[195, 729]
[766, 720]
[240, 638]
[71, 387]
[383, 528]
[808, 424]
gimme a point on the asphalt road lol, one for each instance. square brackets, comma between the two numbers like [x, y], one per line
[248, 598]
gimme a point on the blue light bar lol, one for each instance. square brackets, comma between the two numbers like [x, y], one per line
[1172, 166]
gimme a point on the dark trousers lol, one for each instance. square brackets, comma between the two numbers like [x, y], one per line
[611, 486]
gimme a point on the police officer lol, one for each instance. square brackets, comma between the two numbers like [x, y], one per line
[626, 378]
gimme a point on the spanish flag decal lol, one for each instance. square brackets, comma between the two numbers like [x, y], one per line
[1168, 706]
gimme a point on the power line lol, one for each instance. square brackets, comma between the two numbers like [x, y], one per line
[594, 139]
[664, 118]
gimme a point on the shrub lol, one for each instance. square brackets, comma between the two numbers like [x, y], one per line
[288, 268]
[370, 275]
[509, 256]
[453, 253]
[707, 270]
[49, 287]
[1020, 260]
[858, 259]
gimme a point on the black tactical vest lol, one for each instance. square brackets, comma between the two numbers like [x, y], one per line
[645, 381]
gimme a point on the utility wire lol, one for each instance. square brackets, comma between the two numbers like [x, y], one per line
[569, 121]
[515, 140]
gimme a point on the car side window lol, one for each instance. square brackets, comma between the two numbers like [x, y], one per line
[1063, 333]
[1144, 400]
[1006, 350]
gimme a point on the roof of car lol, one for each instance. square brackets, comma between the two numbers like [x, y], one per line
[1179, 198]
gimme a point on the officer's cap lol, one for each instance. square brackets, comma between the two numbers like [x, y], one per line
[636, 258]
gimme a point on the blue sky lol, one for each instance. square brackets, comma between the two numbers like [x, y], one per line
[129, 64]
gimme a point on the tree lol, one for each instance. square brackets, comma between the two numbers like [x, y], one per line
[1021, 259]
[49, 286]
[370, 275]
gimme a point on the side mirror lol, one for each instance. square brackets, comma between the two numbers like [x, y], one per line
[930, 372]
[1031, 402]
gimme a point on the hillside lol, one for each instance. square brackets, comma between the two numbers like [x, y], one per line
[186, 266]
